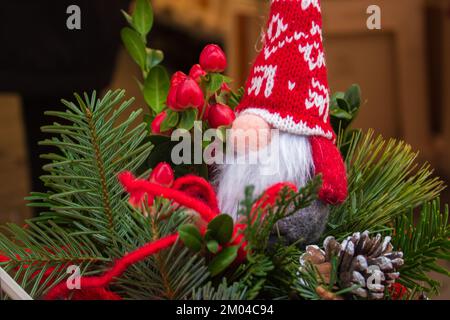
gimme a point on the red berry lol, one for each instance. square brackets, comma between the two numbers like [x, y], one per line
[178, 78]
[156, 124]
[206, 112]
[189, 95]
[213, 59]
[220, 115]
[172, 99]
[197, 73]
[163, 175]
[397, 291]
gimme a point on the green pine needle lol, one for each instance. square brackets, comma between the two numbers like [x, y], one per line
[91, 148]
[423, 244]
[384, 182]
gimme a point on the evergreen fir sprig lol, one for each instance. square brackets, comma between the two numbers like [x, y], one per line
[41, 253]
[85, 217]
[171, 274]
[222, 292]
[252, 274]
[384, 182]
[423, 244]
[91, 148]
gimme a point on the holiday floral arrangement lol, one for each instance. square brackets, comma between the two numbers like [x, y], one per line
[349, 215]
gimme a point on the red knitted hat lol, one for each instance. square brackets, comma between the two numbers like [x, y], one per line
[288, 84]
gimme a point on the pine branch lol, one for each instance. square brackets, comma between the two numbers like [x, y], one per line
[93, 148]
[222, 292]
[384, 182]
[171, 274]
[281, 279]
[423, 246]
[40, 254]
[252, 275]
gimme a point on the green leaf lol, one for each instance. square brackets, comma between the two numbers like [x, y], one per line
[156, 88]
[222, 97]
[223, 260]
[222, 133]
[339, 95]
[188, 118]
[343, 104]
[353, 96]
[143, 17]
[154, 57]
[191, 237]
[213, 246]
[135, 46]
[215, 82]
[127, 17]
[341, 114]
[221, 228]
[171, 120]
[236, 97]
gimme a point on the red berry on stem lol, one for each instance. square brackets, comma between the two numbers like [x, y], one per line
[197, 73]
[189, 95]
[156, 124]
[220, 115]
[163, 175]
[172, 99]
[178, 78]
[213, 59]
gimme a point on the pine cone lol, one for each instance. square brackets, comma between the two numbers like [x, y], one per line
[362, 260]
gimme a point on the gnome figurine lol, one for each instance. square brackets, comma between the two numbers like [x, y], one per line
[288, 90]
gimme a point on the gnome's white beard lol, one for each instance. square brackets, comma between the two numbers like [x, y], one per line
[287, 158]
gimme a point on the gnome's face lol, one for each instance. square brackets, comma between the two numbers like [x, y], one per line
[271, 157]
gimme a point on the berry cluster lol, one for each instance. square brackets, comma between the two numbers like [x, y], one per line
[202, 95]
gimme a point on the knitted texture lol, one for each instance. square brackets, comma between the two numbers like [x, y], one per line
[328, 162]
[288, 84]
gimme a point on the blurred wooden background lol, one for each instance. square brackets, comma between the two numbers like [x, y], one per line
[403, 70]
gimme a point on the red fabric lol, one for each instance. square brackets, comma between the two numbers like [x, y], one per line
[137, 188]
[329, 163]
[86, 283]
[288, 83]
[199, 189]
